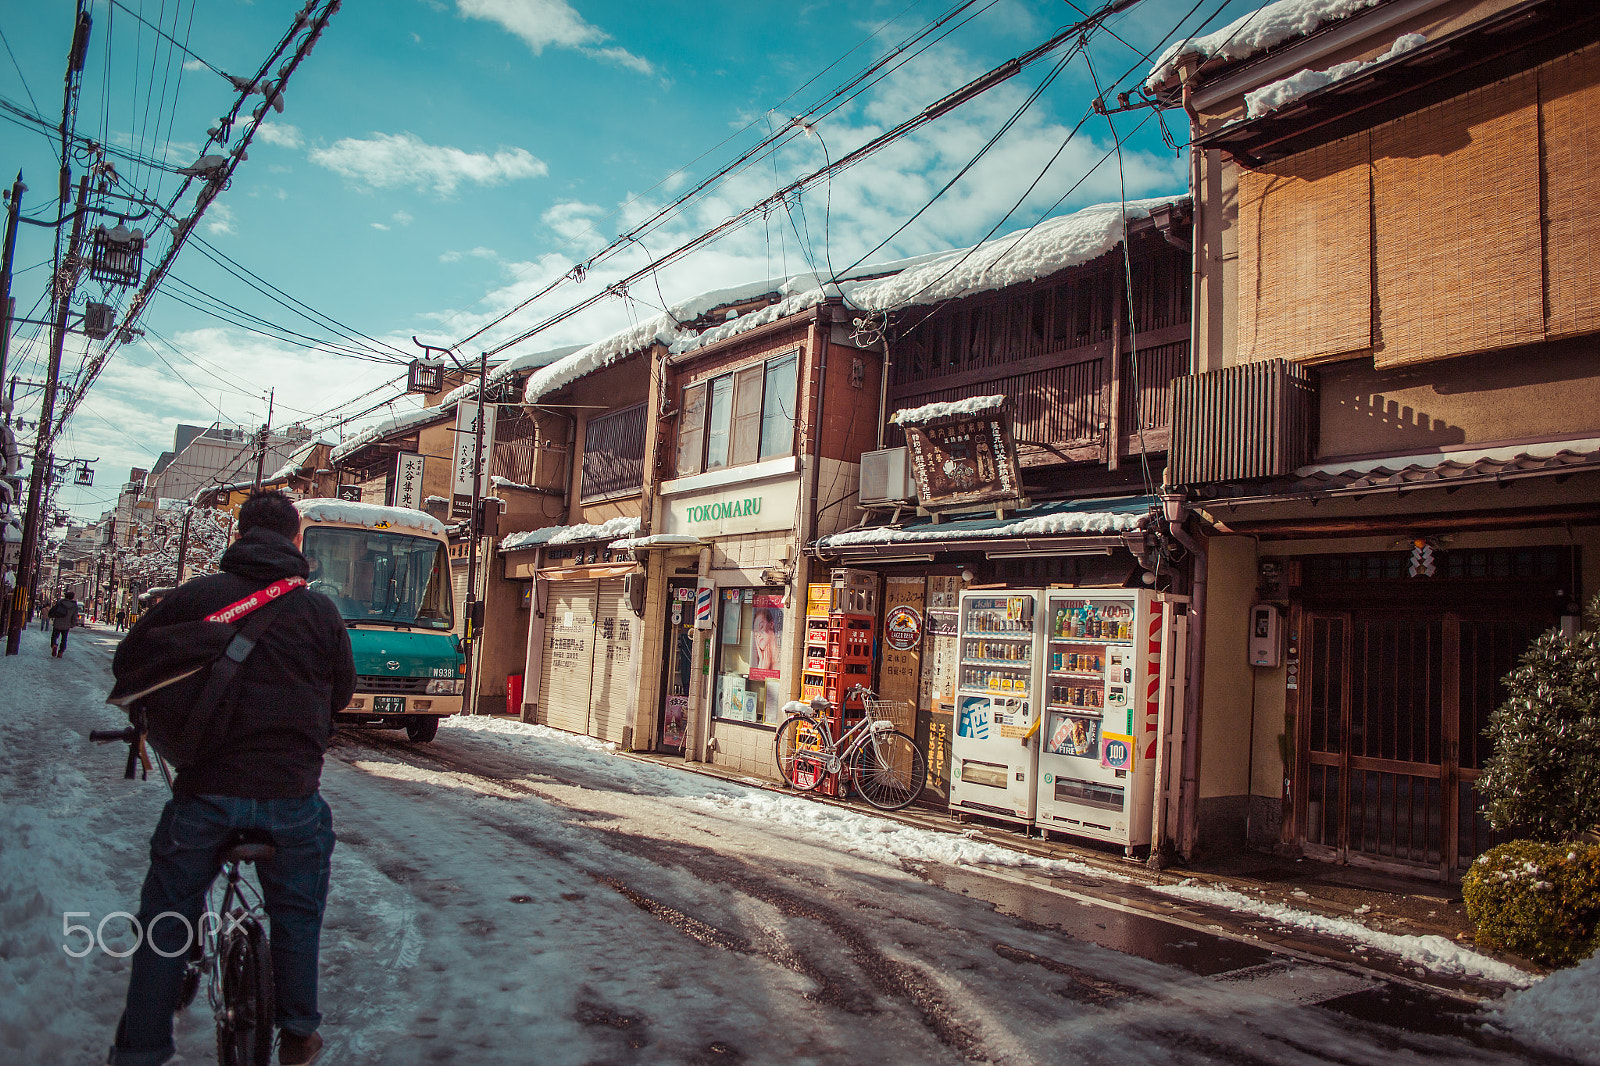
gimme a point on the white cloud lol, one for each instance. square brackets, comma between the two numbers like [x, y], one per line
[542, 23]
[472, 253]
[218, 220]
[193, 64]
[379, 225]
[570, 219]
[281, 134]
[402, 218]
[389, 160]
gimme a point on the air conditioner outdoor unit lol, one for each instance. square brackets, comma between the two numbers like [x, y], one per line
[886, 477]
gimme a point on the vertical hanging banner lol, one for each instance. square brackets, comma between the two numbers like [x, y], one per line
[406, 488]
[465, 455]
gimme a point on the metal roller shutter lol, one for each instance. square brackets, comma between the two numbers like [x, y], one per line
[568, 656]
[608, 704]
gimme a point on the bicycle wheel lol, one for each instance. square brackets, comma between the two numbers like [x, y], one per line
[245, 1022]
[798, 745]
[889, 770]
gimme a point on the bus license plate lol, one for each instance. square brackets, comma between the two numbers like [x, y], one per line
[389, 704]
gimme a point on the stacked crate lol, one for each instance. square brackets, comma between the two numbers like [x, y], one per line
[813, 678]
[852, 624]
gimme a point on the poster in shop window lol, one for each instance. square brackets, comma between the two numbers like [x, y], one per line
[766, 636]
[940, 645]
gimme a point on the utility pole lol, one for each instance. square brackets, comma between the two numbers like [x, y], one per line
[183, 543]
[471, 605]
[266, 435]
[13, 210]
[64, 283]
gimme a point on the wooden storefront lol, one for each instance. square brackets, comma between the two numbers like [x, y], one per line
[1398, 677]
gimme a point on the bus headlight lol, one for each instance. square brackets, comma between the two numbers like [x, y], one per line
[446, 686]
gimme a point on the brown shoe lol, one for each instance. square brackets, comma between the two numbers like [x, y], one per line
[298, 1050]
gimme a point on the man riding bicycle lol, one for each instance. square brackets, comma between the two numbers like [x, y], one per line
[260, 774]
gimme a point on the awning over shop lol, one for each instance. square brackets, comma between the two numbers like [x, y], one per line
[1062, 527]
[588, 573]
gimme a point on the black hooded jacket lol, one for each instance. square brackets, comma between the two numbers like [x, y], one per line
[283, 699]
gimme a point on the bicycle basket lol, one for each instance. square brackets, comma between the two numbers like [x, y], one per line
[896, 711]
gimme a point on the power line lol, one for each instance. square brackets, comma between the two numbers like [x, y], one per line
[928, 114]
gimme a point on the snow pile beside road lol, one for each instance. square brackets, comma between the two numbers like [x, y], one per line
[878, 838]
[1561, 1012]
[1433, 953]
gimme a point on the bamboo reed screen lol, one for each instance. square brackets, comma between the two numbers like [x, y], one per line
[1456, 210]
[1305, 267]
[1569, 92]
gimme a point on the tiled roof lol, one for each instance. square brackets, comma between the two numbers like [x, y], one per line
[1499, 464]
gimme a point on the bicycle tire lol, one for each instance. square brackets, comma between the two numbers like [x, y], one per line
[889, 770]
[245, 1022]
[799, 769]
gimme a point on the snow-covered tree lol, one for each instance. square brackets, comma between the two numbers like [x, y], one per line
[152, 559]
[1543, 780]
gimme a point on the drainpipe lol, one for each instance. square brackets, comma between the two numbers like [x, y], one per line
[698, 729]
[1175, 510]
[1198, 238]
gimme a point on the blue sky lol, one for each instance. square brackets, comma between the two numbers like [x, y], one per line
[437, 162]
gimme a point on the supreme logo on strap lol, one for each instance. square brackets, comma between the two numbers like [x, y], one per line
[260, 598]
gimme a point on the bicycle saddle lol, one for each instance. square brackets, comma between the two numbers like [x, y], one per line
[248, 845]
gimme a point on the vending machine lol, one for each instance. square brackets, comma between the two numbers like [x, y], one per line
[1101, 699]
[994, 753]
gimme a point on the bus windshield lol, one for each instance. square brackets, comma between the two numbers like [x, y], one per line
[376, 576]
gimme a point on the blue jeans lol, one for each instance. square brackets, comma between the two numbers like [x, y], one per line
[184, 859]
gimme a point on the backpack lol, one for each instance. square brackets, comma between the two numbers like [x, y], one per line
[178, 691]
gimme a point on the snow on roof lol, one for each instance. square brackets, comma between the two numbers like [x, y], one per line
[371, 515]
[1047, 247]
[797, 292]
[1270, 97]
[610, 530]
[1106, 516]
[398, 424]
[297, 458]
[1254, 33]
[587, 360]
[1038, 252]
[928, 412]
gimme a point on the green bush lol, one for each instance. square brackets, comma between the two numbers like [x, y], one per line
[1540, 901]
[1542, 780]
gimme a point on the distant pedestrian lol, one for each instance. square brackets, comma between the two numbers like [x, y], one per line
[63, 616]
[122, 619]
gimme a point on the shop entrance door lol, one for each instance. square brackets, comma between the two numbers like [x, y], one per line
[677, 666]
[613, 645]
[568, 655]
[1394, 703]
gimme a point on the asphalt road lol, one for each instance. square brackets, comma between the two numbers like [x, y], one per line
[498, 899]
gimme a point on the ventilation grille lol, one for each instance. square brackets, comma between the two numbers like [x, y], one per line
[1255, 420]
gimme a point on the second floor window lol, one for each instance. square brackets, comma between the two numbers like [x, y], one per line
[740, 417]
[613, 453]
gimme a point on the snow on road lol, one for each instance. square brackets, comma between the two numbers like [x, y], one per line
[515, 894]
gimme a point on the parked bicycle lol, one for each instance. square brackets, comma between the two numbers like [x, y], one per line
[229, 949]
[881, 763]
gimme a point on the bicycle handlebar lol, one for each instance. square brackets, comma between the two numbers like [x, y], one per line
[129, 735]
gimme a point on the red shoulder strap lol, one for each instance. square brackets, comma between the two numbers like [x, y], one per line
[260, 598]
